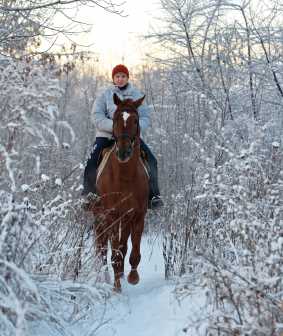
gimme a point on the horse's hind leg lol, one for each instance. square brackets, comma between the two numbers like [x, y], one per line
[135, 257]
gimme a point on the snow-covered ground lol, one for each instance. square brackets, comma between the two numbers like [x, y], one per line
[147, 309]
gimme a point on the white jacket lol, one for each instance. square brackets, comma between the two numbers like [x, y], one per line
[103, 109]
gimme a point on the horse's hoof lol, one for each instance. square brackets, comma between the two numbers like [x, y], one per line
[133, 277]
[117, 286]
[117, 290]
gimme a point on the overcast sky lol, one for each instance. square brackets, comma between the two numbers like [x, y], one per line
[115, 39]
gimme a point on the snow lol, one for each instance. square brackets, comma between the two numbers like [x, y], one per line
[24, 187]
[45, 178]
[58, 182]
[160, 131]
[51, 109]
[68, 127]
[37, 165]
[148, 309]
[275, 144]
[66, 145]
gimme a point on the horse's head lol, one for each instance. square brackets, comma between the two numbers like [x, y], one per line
[126, 130]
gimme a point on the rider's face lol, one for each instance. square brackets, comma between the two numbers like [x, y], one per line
[120, 79]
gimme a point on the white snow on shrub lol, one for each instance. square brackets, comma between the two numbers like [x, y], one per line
[24, 187]
[45, 178]
[275, 144]
[58, 181]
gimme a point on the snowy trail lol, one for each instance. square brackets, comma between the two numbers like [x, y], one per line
[149, 308]
[146, 309]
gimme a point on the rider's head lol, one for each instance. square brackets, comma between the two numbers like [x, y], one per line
[120, 75]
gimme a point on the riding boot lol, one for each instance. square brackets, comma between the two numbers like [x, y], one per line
[155, 200]
[89, 190]
[89, 183]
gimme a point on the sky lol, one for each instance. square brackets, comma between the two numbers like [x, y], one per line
[116, 39]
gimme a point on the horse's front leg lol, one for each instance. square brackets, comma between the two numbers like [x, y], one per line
[135, 257]
[116, 259]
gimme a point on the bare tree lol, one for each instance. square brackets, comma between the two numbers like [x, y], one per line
[24, 23]
[218, 120]
[215, 39]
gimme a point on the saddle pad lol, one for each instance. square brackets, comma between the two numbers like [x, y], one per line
[144, 166]
[103, 162]
[105, 159]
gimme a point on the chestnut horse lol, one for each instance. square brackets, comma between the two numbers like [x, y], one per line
[123, 190]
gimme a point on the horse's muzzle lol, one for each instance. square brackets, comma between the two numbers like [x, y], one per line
[124, 154]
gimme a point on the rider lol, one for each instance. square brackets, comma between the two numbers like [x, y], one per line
[103, 111]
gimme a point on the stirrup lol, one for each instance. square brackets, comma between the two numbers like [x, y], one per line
[155, 202]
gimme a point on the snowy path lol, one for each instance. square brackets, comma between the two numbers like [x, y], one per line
[147, 309]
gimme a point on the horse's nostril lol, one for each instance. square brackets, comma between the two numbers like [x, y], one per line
[124, 154]
[121, 154]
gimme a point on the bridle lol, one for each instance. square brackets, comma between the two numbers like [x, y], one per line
[125, 135]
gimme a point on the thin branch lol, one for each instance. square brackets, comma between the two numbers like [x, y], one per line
[106, 5]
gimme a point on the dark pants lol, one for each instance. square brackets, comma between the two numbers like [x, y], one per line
[93, 161]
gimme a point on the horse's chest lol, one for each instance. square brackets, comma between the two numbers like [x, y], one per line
[123, 201]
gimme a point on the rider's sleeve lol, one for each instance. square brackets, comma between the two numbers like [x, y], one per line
[144, 116]
[99, 111]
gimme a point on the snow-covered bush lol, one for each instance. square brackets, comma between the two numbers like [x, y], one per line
[218, 107]
[241, 211]
[40, 225]
[225, 227]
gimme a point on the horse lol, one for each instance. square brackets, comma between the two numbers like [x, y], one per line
[123, 188]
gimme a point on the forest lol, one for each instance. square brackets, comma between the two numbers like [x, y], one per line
[216, 92]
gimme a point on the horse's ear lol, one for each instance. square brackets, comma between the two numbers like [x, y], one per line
[116, 99]
[138, 102]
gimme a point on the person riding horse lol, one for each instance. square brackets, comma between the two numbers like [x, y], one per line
[103, 111]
